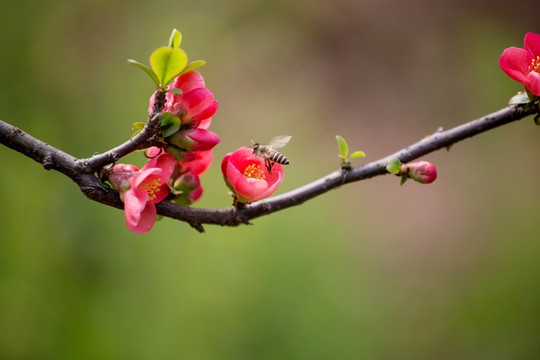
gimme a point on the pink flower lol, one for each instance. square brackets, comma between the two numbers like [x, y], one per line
[523, 65]
[248, 177]
[200, 163]
[142, 189]
[422, 171]
[194, 104]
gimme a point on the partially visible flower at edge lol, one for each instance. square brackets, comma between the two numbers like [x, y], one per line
[523, 65]
[142, 189]
[248, 177]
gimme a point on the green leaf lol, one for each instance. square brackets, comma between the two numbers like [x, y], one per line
[357, 154]
[137, 126]
[403, 179]
[146, 69]
[193, 65]
[167, 63]
[343, 147]
[175, 39]
[168, 119]
[175, 91]
[393, 166]
[170, 124]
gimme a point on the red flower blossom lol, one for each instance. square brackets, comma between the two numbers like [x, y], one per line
[248, 177]
[141, 189]
[523, 65]
[194, 104]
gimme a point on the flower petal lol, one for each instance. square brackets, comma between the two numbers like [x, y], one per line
[532, 43]
[196, 101]
[205, 124]
[139, 212]
[533, 83]
[165, 162]
[189, 81]
[515, 63]
[200, 164]
[204, 139]
[206, 113]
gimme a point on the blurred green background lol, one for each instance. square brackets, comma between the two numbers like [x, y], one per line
[373, 270]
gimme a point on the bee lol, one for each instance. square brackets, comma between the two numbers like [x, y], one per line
[268, 152]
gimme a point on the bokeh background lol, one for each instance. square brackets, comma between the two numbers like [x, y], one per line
[373, 270]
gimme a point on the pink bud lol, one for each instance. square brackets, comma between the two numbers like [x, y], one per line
[188, 188]
[194, 139]
[422, 171]
[121, 175]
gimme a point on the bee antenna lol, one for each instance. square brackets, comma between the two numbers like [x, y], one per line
[252, 142]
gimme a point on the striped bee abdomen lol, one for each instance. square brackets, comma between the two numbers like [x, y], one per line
[279, 158]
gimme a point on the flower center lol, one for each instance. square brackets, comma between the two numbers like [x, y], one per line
[254, 171]
[535, 64]
[152, 188]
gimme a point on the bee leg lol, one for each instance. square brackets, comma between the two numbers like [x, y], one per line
[269, 164]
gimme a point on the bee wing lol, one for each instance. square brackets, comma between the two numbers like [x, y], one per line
[279, 142]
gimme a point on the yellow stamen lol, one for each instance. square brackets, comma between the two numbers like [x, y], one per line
[535, 64]
[254, 171]
[152, 188]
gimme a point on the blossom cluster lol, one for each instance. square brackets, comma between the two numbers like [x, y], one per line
[191, 144]
[172, 171]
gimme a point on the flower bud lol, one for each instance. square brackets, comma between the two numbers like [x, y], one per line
[120, 176]
[422, 171]
[188, 188]
[194, 139]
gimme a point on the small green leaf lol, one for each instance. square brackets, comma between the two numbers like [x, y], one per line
[343, 147]
[393, 166]
[137, 126]
[403, 179]
[167, 63]
[175, 91]
[146, 69]
[171, 130]
[357, 154]
[168, 119]
[170, 124]
[193, 65]
[175, 39]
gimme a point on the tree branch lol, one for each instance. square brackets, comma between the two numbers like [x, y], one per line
[81, 171]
